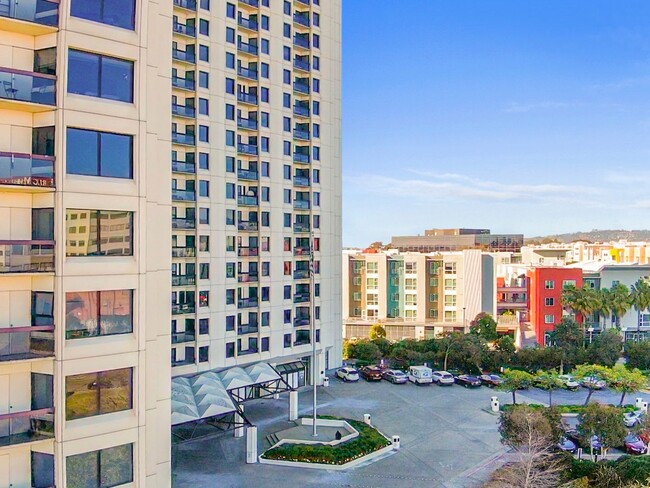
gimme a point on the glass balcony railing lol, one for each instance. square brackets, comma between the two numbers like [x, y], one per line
[20, 343]
[301, 321]
[247, 47]
[184, 83]
[247, 24]
[249, 73]
[249, 98]
[301, 274]
[183, 280]
[185, 139]
[248, 226]
[247, 302]
[301, 134]
[246, 352]
[183, 223]
[248, 329]
[187, 56]
[184, 362]
[301, 251]
[44, 12]
[301, 227]
[246, 123]
[301, 87]
[26, 170]
[183, 195]
[252, 3]
[247, 149]
[183, 252]
[301, 158]
[246, 174]
[184, 29]
[25, 86]
[248, 278]
[180, 308]
[27, 256]
[301, 42]
[186, 4]
[183, 167]
[246, 200]
[301, 180]
[180, 337]
[24, 427]
[183, 110]
[301, 204]
[300, 297]
[248, 251]
[301, 110]
[302, 65]
[302, 19]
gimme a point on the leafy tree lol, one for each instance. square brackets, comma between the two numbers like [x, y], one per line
[591, 371]
[536, 358]
[505, 344]
[469, 353]
[568, 338]
[605, 348]
[377, 331]
[638, 354]
[484, 326]
[513, 380]
[363, 350]
[549, 381]
[640, 298]
[605, 422]
[448, 343]
[626, 380]
[384, 345]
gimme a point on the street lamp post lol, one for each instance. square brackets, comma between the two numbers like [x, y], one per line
[464, 322]
[591, 333]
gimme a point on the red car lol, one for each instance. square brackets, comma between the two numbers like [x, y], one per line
[370, 373]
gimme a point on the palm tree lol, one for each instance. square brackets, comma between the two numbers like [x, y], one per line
[583, 301]
[640, 299]
[605, 305]
[620, 301]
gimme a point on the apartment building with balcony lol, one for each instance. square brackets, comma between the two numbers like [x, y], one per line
[416, 295]
[84, 239]
[256, 183]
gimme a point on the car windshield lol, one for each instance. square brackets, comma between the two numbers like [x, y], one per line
[447, 375]
[398, 373]
[495, 377]
[632, 438]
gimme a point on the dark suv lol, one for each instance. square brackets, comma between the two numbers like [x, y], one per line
[370, 373]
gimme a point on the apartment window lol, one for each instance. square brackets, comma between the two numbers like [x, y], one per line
[450, 284]
[204, 326]
[286, 124]
[230, 164]
[287, 172]
[266, 195]
[450, 268]
[265, 22]
[316, 63]
[91, 394]
[286, 53]
[230, 349]
[230, 112]
[42, 308]
[316, 41]
[287, 292]
[287, 340]
[204, 27]
[316, 85]
[316, 153]
[316, 20]
[95, 75]
[568, 283]
[287, 195]
[316, 131]
[372, 284]
[287, 30]
[98, 313]
[204, 271]
[266, 293]
[450, 315]
[265, 219]
[287, 8]
[230, 138]
[286, 148]
[264, 70]
[204, 354]
[316, 107]
[266, 47]
[204, 79]
[264, 94]
[204, 216]
[549, 302]
[230, 270]
[316, 176]
[103, 468]
[549, 319]
[230, 323]
[317, 199]
[266, 268]
[116, 13]
[450, 300]
[287, 220]
[106, 233]
[230, 35]
[230, 243]
[286, 100]
[265, 344]
[204, 133]
[264, 119]
[230, 60]
[264, 144]
[204, 53]
[94, 153]
[230, 86]
[549, 284]
[204, 106]
[204, 243]
[205, 4]
[230, 11]
[316, 221]
[230, 217]
[204, 298]
[356, 296]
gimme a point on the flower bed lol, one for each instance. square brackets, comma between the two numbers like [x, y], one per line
[568, 408]
[368, 441]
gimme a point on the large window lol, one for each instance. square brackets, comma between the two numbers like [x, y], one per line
[118, 13]
[96, 153]
[100, 469]
[95, 75]
[100, 393]
[99, 233]
[95, 313]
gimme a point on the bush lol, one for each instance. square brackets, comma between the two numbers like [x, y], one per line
[633, 468]
[569, 408]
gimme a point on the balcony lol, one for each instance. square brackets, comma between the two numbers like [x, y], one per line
[250, 3]
[301, 87]
[301, 274]
[249, 24]
[301, 110]
[304, 2]
[184, 111]
[248, 251]
[25, 90]
[246, 200]
[249, 226]
[188, 139]
[250, 149]
[183, 252]
[300, 297]
[24, 343]
[303, 135]
[183, 83]
[184, 56]
[301, 204]
[26, 170]
[247, 48]
[301, 19]
[247, 73]
[248, 329]
[183, 223]
[180, 337]
[27, 256]
[249, 98]
[186, 4]
[25, 427]
[301, 64]
[301, 181]
[246, 352]
[181, 308]
[184, 29]
[249, 124]
[183, 167]
[183, 280]
[248, 278]
[511, 289]
[302, 42]
[300, 322]
[301, 251]
[246, 174]
[184, 362]
[298, 227]
[32, 17]
[247, 302]
[183, 195]
[301, 157]
[512, 303]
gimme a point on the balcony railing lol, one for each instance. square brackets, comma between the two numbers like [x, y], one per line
[301, 87]
[19, 343]
[26, 170]
[301, 42]
[187, 56]
[301, 180]
[42, 12]
[300, 297]
[301, 227]
[184, 29]
[300, 274]
[26, 86]
[301, 204]
[249, 98]
[302, 65]
[184, 83]
[249, 73]
[183, 110]
[300, 321]
[301, 251]
[301, 134]
[26, 256]
[248, 329]
[24, 427]
[186, 4]
[252, 3]
[301, 19]
[245, 352]
[183, 195]
[246, 200]
[300, 157]
[183, 167]
[248, 278]
[180, 308]
[248, 251]
[183, 223]
[185, 139]
[248, 226]
[247, 47]
[304, 2]
[301, 110]
[183, 252]
[247, 302]
[183, 280]
[184, 362]
[247, 149]
[180, 337]
[246, 174]
[247, 24]
[246, 123]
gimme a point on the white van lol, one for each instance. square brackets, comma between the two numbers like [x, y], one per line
[420, 375]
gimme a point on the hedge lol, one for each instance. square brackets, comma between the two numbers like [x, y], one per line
[568, 408]
[629, 468]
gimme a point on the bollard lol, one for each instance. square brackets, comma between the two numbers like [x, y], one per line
[366, 419]
[494, 404]
[644, 407]
[251, 445]
[293, 405]
[638, 402]
[396, 442]
[326, 381]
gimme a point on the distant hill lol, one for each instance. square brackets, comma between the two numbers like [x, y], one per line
[593, 236]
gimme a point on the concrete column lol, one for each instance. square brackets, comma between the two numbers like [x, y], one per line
[251, 445]
[239, 431]
[293, 405]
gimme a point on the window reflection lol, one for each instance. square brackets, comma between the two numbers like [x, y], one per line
[99, 233]
[90, 314]
[99, 393]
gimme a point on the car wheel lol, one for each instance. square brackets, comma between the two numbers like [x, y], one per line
[466, 385]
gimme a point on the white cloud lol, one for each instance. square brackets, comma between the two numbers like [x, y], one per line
[516, 108]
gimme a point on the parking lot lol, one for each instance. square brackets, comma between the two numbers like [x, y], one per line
[448, 439]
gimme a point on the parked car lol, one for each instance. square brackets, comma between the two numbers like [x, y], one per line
[633, 418]
[395, 376]
[635, 445]
[491, 380]
[347, 374]
[454, 372]
[370, 373]
[420, 375]
[442, 378]
[575, 437]
[593, 382]
[567, 445]
[569, 382]
[467, 380]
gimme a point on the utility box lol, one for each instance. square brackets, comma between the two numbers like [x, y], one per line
[396, 442]
[494, 404]
[251, 445]
[366, 418]
[326, 381]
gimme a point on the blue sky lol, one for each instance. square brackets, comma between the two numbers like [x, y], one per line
[521, 116]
